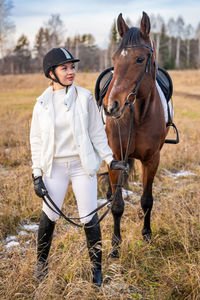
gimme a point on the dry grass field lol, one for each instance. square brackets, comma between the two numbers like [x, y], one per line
[167, 268]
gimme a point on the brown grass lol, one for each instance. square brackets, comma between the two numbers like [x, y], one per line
[167, 268]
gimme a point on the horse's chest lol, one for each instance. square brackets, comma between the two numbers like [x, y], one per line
[145, 141]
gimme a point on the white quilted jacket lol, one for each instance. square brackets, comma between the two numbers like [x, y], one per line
[87, 127]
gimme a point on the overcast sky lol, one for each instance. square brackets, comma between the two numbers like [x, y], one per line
[96, 16]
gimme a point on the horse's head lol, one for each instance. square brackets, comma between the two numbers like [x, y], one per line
[132, 62]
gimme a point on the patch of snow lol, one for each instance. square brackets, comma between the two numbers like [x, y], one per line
[134, 183]
[126, 193]
[70, 227]
[101, 201]
[12, 244]
[181, 173]
[10, 238]
[22, 232]
[30, 227]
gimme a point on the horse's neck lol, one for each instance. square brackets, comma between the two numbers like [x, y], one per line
[144, 105]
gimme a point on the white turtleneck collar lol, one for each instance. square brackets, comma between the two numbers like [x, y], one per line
[69, 97]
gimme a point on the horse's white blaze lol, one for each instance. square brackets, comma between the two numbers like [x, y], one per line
[124, 52]
[110, 104]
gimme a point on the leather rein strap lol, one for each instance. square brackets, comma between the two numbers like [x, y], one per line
[51, 204]
[47, 199]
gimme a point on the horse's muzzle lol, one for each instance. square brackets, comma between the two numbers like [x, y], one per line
[111, 110]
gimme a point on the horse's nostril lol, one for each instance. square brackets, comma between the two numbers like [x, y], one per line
[115, 106]
[111, 108]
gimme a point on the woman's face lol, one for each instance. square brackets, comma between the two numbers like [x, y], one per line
[65, 73]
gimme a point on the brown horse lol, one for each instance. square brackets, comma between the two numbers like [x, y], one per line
[134, 79]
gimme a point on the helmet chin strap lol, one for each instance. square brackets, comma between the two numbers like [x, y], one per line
[56, 79]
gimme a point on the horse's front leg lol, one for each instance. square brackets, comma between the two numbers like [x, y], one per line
[149, 169]
[117, 208]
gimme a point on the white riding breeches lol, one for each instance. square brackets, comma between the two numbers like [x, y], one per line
[84, 188]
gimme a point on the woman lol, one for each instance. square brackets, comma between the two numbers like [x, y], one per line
[68, 143]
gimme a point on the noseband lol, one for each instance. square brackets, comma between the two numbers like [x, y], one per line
[134, 92]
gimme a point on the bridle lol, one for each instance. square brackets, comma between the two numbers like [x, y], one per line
[131, 107]
[134, 92]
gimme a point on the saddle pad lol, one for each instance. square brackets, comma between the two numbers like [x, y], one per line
[165, 82]
[167, 105]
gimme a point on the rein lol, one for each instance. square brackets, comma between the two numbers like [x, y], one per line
[59, 212]
[125, 160]
[51, 204]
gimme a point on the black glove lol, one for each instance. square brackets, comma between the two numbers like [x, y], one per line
[118, 165]
[39, 186]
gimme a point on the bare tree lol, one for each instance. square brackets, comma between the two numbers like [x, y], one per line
[198, 37]
[6, 25]
[84, 48]
[55, 29]
[179, 35]
[157, 23]
[114, 39]
[171, 31]
[188, 34]
[129, 22]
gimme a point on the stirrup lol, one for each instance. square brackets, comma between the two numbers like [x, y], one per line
[170, 141]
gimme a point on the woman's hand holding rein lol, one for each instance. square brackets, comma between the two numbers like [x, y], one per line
[39, 186]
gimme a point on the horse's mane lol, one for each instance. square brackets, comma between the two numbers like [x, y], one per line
[132, 36]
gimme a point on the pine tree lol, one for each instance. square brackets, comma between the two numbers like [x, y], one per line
[41, 46]
[113, 42]
[22, 55]
[164, 60]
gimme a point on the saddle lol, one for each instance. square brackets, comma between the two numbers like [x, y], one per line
[163, 78]
[164, 81]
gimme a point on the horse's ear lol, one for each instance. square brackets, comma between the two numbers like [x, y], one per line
[145, 26]
[121, 25]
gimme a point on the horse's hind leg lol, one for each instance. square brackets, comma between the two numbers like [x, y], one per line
[117, 209]
[149, 170]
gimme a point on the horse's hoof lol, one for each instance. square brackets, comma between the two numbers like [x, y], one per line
[114, 254]
[147, 235]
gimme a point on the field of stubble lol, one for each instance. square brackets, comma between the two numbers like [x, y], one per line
[167, 268]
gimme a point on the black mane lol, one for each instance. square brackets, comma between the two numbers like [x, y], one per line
[131, 37]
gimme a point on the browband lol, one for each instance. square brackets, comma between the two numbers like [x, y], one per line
[140, 45]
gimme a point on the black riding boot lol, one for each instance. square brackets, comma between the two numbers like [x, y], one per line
[45, 234]
[93, 236]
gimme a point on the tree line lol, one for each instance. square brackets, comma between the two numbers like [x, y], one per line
[177, 44]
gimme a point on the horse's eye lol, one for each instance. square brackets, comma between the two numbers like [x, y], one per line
[139, 60]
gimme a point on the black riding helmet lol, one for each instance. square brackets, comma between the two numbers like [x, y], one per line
[56, 57]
